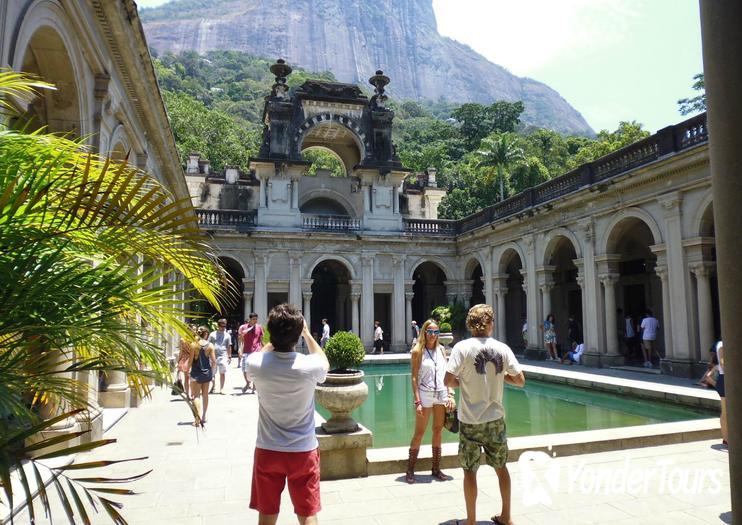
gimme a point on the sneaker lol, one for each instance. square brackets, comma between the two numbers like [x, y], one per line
[647, 364]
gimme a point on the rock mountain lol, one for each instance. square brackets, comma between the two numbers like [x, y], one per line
[353, 38]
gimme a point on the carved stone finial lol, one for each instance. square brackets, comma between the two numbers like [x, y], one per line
[379, 81]
[282, 70]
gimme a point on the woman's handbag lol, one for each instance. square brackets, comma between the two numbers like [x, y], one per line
[451, 423]
[177, 388]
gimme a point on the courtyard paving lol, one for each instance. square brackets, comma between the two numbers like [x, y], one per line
[203, 477]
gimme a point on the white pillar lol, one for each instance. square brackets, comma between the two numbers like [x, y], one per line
[247, 305]
[609, 281]
[666, 323]
[261, 287]
[262, 192]
[295, 278]
[408, 312]
[487, 275]
[398, 303]
[307, 308]
[677, 274]
[702, 271]
[545, 289]
[500, 292]
[367, 299]
[117, 393]
[355, 298]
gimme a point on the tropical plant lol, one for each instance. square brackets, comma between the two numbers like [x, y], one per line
[453, 314]
[445, 328]
[92, 254]
[499, 153]
[344, 351]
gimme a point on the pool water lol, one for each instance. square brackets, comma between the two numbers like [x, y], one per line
[539, 408]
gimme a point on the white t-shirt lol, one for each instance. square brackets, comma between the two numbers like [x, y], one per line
[481, 364]
[325, 331]
[285, 382]
[630, 327]
[649, 326]
[378, 333]
[577, 352]
[221, 341]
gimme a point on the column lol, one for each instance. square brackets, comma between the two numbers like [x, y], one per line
[398, 303]
[92, 419]
[408, 296]
[263, 182]
[261, 287]
[530, 286]
[546, 298]
[592, 326]
[355, 297]
[367, 300]
[609, 281]
[702, 271]
[487, 275]
[722, 43]
[117, 393]
[307, 308]
[661, 271]
[677, 273]
[500, 292]
[248, 290]
[295, 290]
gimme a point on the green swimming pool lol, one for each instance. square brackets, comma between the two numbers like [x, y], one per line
[539, 408]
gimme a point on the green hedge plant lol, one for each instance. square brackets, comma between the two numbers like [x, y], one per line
[345, 352]
[445, 328]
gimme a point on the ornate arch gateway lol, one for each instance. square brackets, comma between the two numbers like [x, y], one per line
[337, 117]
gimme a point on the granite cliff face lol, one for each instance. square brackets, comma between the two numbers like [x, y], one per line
[353, 38]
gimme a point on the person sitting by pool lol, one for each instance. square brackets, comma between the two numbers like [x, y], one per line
[575, 355]
[428, 362]
[712, 372]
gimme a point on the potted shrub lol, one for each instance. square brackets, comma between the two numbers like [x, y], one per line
[446, 337]
[344, 390]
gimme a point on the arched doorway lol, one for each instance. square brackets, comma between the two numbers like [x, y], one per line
[429, 290]
[515, 298]
[638, 288]
[477, 285]
[59, 111]
[707, 285]
[330, 297]
[566, 294]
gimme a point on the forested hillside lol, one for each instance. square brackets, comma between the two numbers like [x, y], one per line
[482, 152]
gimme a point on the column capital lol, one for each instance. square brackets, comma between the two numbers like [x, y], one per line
[247, 294]
[586, 229]
[702, 270]
[545, 277]
[295, 257]
[409, 296]
[609, 279]
[367, 259]
[661, 271]
[355, 296]
[500, 290]
[671, 203]
[306, 285]
[248, 284]
[260, 258]
[398, 260]
[580, 279]
[408, 285]
[307, 296]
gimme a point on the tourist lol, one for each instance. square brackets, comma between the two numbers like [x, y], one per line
[575, 355]
[549, 329]
[524, 330]
[574, 332]
[252, 341]
[202, 371]
[185, 360]
[649, 327]
[223, 347]
[431, 396]
[286, 447]
[712, 371]
[631, 336]
[378, 338]
[481, 366]
[325, 333]
[721, 389]
[415, 332]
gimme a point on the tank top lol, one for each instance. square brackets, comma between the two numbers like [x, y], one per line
[432, 370]
[201, 371]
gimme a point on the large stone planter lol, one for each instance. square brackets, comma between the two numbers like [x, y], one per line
[446, 338]
[340, 394]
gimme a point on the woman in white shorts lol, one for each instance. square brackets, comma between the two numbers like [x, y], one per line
[431, 396]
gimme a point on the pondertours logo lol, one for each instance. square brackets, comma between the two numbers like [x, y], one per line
[545, 478]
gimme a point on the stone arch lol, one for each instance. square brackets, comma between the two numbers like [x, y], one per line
[471, 264]
[42, 32]
[350, 124]
[237, 263]
[506, 250]
[474, 274]
[337, 258]
[607, 242]
[327, 193]
[704, 218]
[120, 145]
[431, 259]
[331, 278]
[554, 238]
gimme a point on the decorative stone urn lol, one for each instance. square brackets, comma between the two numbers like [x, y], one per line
[446, 338]
[340, 394]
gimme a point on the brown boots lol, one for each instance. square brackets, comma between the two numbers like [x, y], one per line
[436, 468]
[411, 460]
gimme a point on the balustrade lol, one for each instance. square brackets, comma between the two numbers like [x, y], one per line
[329, 222]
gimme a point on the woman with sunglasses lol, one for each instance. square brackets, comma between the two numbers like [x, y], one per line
[431, 396]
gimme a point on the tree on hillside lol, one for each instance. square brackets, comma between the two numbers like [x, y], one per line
[608, 142]
[497, 154]
[695, 104]
[477, 120]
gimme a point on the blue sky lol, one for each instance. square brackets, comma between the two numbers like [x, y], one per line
[613, 60]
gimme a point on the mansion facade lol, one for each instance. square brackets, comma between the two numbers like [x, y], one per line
[627, 233]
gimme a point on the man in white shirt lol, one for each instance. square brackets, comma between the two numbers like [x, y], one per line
[286, 448]
[378, 338]
[481, 366]
[575, 355]
[222, 342]
[649, 327]
[325, 333]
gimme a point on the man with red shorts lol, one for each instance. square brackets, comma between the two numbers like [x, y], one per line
[286, 446]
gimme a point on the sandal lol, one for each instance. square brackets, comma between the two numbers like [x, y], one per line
[498, 521]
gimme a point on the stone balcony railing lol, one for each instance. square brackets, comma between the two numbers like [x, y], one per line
[329, 223]
[667, 141]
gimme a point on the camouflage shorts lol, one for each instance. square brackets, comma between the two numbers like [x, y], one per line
[489, 436]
